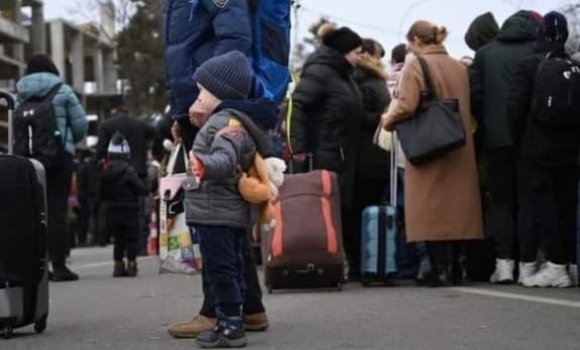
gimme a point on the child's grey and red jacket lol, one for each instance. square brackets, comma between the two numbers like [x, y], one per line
[217, 202]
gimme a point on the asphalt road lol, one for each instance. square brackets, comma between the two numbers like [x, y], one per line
[102, 313]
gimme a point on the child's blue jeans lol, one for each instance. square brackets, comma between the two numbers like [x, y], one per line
[221, 249]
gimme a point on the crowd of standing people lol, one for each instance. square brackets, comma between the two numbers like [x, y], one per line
[513, 182]
[498, 186]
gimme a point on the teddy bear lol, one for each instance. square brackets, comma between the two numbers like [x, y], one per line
[259, 186]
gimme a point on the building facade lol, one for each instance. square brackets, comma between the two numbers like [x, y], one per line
[85, 54]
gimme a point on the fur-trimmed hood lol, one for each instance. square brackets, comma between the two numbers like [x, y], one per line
[369, 66]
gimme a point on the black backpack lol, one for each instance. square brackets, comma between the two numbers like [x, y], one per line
[556, 96]
[36, 132]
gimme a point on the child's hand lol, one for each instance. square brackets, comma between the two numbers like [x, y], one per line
[176, 133]
[196, 166]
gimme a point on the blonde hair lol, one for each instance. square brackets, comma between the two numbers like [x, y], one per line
[427, 32]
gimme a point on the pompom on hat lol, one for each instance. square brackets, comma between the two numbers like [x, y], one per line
[343, 39]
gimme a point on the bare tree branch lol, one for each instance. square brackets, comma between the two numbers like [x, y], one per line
[90, 11]
[520, 4]
[572, 11]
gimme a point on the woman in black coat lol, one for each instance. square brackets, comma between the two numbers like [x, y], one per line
[327, 107]
[372, 170]
[326, 118]
[373, 162]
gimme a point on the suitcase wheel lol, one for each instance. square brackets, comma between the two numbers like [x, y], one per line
[339, 287]
[40, 325]
[7, 331]
[365, 282]
[270, 290]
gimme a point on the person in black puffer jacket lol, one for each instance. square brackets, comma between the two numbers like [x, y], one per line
[326, 118]
[372, 171]
[120, 189]
[373, 162]
[328, 106]
[547, 168]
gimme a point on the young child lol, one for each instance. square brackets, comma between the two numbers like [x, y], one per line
[120, 189]
[226, 144]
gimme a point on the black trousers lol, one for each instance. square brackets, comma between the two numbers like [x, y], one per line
[123, 223]
[58, 182]
[444, 254]
[548, 198]
[253, 294]
[95, 226]
[502, 210]
[144, 219]
[84, 217]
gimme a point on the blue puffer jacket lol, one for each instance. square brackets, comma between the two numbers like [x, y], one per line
[66, 105]
[195, 31]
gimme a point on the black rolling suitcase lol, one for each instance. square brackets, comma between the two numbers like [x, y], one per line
[23, 240]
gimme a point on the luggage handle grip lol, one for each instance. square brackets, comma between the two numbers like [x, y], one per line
[309, 160]
[9, 100]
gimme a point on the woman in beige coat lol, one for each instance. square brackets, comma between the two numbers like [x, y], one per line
[442, 201]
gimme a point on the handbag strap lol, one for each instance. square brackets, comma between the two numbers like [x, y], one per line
[431, 93]
[173, 158]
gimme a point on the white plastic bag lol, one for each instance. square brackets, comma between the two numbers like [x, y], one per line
[178, 245]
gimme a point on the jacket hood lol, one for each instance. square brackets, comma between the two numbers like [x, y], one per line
[36, 84]
[263, 143]
[115, 169]
[330, 57]
[369, 66]
[481, 31]
[261, 111]
[544, 47]
[519, 27]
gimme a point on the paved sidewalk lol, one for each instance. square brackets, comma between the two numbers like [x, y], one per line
[102, 313]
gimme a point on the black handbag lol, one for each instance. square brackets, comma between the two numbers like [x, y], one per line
[436, 128]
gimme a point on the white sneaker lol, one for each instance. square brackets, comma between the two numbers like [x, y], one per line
[573, 272]
[504, 272]
[551, 276]
[527, 270]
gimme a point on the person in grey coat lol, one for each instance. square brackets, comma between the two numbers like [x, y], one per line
[226, 144]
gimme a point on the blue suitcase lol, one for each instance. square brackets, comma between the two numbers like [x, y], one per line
[378, 256]
[379, 236]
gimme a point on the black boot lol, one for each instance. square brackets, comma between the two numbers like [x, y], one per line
[458, 271]
[438, 277]
[132, 269]
[61, 273]
[119, 270]
[227, 333]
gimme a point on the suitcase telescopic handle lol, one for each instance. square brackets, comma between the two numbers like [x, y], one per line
[11, 105]
[309, 161]
[8, 98]
[394, 181]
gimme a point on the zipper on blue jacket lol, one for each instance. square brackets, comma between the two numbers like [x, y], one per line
[192, 8]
